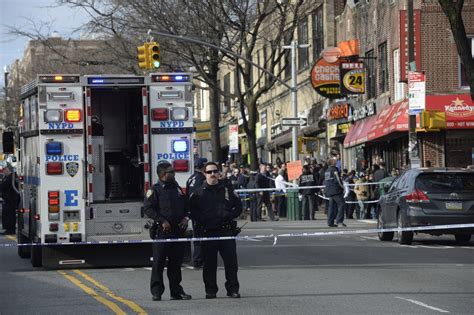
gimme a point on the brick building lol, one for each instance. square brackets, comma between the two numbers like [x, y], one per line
[381, 30]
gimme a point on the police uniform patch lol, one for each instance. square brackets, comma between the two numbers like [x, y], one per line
[72, 168]
[149, 193]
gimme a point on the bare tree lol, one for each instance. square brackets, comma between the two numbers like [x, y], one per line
[453, 10]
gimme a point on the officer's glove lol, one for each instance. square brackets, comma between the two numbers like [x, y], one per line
[183, 224]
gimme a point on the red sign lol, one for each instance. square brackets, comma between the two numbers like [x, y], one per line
[339, 111]
[459, 109]
[325, 78]
[294, 169]
[404, 65]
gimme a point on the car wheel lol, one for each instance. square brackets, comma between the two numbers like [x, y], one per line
[404, 237]
[383, 236]
[462, 238]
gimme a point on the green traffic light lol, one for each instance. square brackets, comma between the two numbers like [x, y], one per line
[156, 64]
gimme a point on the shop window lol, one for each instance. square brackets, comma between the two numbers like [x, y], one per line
[463, 73]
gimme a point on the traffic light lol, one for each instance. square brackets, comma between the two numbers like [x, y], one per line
[154, 55]
[8, 142]
[143, 56]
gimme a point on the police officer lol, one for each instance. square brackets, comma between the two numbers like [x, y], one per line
[166, 204]
[214, 206]
[196, 180]
[334, 190]
[9, 190]
[308, 201]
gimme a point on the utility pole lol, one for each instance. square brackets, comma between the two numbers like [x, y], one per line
[294, 100]
[413, 151]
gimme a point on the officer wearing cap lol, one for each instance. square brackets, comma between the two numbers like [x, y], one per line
[196, 180]
[166, 204]
[214, 206]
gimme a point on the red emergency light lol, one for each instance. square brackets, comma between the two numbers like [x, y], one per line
[181, 165]
[54, 168]
[159, 114]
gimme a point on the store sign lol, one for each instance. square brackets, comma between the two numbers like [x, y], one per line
[352, 78]
[416, 92]
[404, 63]
[233, 138]
[343, 129]
[363, 111]
[459, 109]
[340, 111]
[325, 78]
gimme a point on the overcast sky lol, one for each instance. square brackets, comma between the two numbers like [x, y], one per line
[15, 13]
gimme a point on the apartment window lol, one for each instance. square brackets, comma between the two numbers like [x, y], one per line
[303, 39]
[266, 63]
[398, 86]
[226, 88]
[318, 32]
[383, 67]
[371, 75]
[464, 80]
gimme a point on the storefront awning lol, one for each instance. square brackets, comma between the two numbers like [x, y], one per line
[391, 119]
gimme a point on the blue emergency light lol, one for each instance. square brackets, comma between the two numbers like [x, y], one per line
[180, 146]
[97, 81]
[54, 148]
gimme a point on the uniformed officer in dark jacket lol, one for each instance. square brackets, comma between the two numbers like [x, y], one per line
[193, 182]
[309, 198]
[166, 204]
[11, 198]
[334, 189]
[214, 206]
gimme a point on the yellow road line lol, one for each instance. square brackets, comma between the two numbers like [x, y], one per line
[11, 237]
[135, 307]
[114, 307]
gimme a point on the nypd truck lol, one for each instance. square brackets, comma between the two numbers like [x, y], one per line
[88, 151]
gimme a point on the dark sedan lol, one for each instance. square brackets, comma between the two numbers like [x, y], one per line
[427, 197]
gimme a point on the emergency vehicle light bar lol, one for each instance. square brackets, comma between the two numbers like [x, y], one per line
[58, 79]
[170, 78]
[115, 81]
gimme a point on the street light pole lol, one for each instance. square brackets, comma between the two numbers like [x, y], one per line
[294, 100]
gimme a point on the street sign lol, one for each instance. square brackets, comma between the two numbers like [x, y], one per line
[416, 92]
[294, 121]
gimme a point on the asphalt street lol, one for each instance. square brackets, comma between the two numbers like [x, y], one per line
[328, 274]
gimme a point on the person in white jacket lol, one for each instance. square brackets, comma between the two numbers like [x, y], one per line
[281, 191]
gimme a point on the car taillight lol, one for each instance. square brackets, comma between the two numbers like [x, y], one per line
[73, 115]
[181, 165]
[160, 114]
[54, 168]
[417, 196]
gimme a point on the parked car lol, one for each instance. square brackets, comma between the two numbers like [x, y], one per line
[426, 197]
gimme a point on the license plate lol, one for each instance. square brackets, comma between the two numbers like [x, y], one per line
[454, 205]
